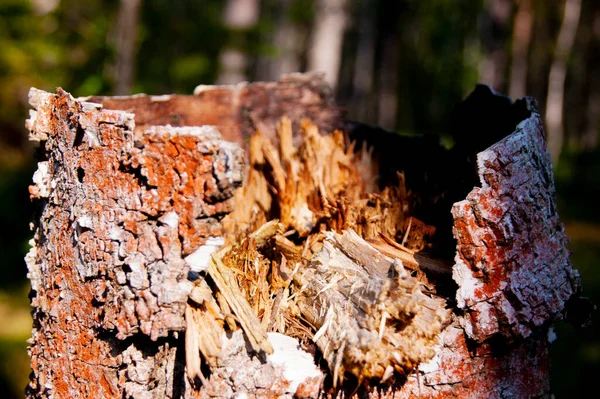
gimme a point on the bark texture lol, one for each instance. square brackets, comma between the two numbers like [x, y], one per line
[514, 279]
[109, 283]
[237, 111]
[126, 203]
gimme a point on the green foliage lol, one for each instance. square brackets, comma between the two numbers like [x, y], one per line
[301, 12]
[179, 46]
[439, 56]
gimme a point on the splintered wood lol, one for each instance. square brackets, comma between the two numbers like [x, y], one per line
[317, 252]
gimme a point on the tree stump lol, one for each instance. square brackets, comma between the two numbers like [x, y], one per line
[133, 192]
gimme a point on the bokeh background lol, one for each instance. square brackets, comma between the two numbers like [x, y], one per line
[399, 64]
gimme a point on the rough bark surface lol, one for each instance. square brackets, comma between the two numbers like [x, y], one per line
[109, 283]
[514, 277]
[125, 202]
[512, 265]
[237, 111]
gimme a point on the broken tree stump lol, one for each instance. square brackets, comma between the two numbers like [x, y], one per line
[134, 193]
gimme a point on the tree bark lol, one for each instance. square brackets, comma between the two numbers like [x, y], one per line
[123, 203]
[128, 206]
[109, 283]
[558, 74]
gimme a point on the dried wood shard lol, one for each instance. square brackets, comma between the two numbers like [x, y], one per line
[368, 324]
[368, 315]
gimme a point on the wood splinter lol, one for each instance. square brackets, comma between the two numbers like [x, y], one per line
[371, 314]
[330, 235]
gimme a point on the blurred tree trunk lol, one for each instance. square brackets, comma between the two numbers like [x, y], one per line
[125, 42]
[288, 40]
[522, 29]
[589, 138]
[238, 15]
[325, 51]
[362, 105]
[495, 31]
[556, 81]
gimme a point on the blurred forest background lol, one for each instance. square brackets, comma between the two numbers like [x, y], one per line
[400, 64]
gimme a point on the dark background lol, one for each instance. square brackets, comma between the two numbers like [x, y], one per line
[399, 64]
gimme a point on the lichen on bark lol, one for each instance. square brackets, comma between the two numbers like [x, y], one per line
[117, 217]
[127, 199]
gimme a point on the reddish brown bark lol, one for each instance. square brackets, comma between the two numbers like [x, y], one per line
[514, 278]
[237, 111]
[109, 283]
[124, 201]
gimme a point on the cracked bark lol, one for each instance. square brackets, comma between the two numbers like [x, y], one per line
[123, 201]
[109, 283]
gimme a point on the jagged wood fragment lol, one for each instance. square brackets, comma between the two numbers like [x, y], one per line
[227, 285]
[372, 316]
[410, 259]
[512, 266]
[320, 187]
[204, 322]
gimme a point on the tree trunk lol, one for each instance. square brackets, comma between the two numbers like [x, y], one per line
[325, 53]
[495, 28]
[129, 206]
[522, 31]
[363, 103]
[238, 15]
[125, 41]
[124, 199]
[387, 64]
[289, 40]
[589, 137]
[558, 74]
